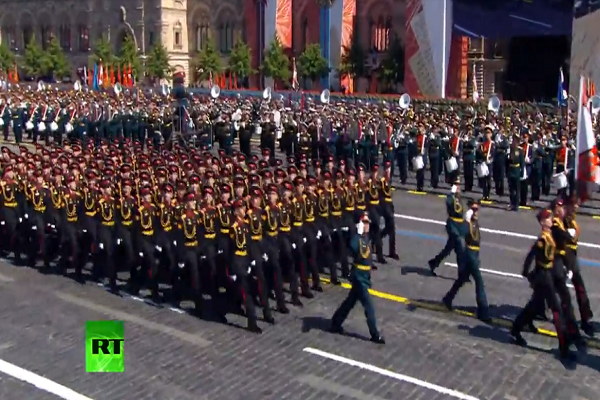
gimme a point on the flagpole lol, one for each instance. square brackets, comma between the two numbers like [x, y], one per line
[579, 122]
[444, 22]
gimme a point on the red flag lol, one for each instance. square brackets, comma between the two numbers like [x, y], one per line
[587, 170]
[119, 74]
[235, 81]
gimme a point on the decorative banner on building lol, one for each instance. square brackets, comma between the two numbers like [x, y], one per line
[585, 45]
[427, 46]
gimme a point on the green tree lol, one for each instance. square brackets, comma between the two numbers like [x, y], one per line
[34, 61]
[391, 70]
[157, 63]
[102, 53]
[311, 63]
[129, 56]
[208, 62]
[353, 61]
[240, 60]
[7, 58]
[276, 63]
[55, 61]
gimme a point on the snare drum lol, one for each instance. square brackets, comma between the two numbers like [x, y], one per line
[417, 162]
[482, 170]
[451, 164]
[561, 181]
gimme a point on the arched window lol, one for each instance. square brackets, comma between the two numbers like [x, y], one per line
[83, 38]
[27, 35]
[46, 36]
[177, 36]
[65, 37]
[8, 37]
[304, 35]
[201, 35]
[226, 37]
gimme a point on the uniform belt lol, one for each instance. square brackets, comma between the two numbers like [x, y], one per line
[11, 204]
[374, 202]
[148, 232]
[474, 248]
[324, 215]
[241, 253]
[361, 207]
[167, 228]
[515, 165]
[225, 231]
[363, 267]
[127, 222]
[91, 213]
[336, 213]
[349, 208]
[310, 219]
[191, 244]
[210, 235]
[270, 233]
[572, 246]
[561, 252]
[297, 223]
[545, 266]
[388, 199]
[72, 219]
[284, 228]
[256, 237]
[40, 209]
[108, 223]
[456, 219]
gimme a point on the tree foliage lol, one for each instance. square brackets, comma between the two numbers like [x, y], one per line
[102, 53]
[208, 62]
[391, 70]
[129, 56]
[55, 61]
[311, 63]
[240, 60]
[157, 63]
[34, 61]
[7, 58]
[276, 63]
[353, 61]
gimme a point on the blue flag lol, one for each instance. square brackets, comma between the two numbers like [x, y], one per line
[562, 96]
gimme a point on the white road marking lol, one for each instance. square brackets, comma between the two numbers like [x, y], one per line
[390, 374]
[40, 382]
[487, 230]
[500, 273]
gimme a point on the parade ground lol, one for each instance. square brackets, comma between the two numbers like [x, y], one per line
[430, 353]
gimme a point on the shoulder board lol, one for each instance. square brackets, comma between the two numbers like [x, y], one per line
[267, 208]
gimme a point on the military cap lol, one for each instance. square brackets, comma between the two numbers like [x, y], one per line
[262, 164]
[253, 178]
[37, 173]
[361, 167]
[125, 168]
[238, 204]
[181, 185]
[190, 197]
[256, 191]
[56, 171]
[254, 158]
[70, 178]
[387, 164]
[5, 150]
[330, 159]
[292, 170]
[472, 202]
[20, 159]
[291, 160]
[225, 173]
[272, 188]
[241, 158]
[225, 188]
[194, 179]
[23, 149]
[557, 202]
[126, 182]
[252, 166]
[299, 181]
[266, 152]
[8, 168]
[364, 218]
[267, 174]
[544, 214]
[302, 165]
[339, 175]
[287, 185]
[280, 173]
[278, 162]
[327, 175]
[311, 180]
[210, 174]
[145, 176]
[167, 187]
[188, 166]
[105, 183]
[208, 190]
[239, 182]
[375, 168]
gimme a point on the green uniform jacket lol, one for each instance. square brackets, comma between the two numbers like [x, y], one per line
[361, 271]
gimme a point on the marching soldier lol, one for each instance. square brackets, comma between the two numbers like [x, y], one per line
[145, 236]
[516, 168]
[361, 282]
[485, 154]
[528, 155]
[126, 207]
[104, 257]
[469, 158]
[70, 239]
[387, 210]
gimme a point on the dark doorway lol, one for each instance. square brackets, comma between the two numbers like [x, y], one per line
[533, 67]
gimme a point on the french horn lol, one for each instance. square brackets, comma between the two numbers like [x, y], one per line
[595, 104]
[117, 89]
[267, 94]
[77, 86]
[215, 91]
[325, 96]
[494, 104]
[41, 86]
[404, 101]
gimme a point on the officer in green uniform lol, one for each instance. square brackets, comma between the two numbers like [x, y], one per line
[435, 161]
[550, 144]
[455, 229]
[471, 265]
[402, 156]
[81, 127]
[516, 165]
[5, 116]
[360, 277]
[499, 164]
[539, 153]
[469, 159]
[18, 120]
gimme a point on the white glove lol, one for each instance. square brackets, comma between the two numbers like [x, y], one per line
[141, 254]
[101, 246]
[253, 263]
[233, 278]
[203, 257]
[453, 189]
[2, 223]
[158, 248]
[304, 240]
[570, 275]
[335, 230]
[249, 270]
[84, 231]
[26, 216]
[220, 252]
[572, 232]
[265, 257]
[319, 234]
[119, 241]
[360, 228]
[468, 215]
[174, 242]
[34, 228]
[53, 226]
[294, 246]
[345, 229]
[20, 219]
[181, 265]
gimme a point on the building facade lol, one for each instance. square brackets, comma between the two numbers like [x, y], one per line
[185, 26]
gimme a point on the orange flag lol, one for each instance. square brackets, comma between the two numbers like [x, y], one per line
[9, 75]
[16, 75]
[112, 75]
[90, 78]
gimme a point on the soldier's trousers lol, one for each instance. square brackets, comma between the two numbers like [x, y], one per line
[536, 176]
[239, 266]
[359, 292]
[486, 186]
[287, 261]
[524, 191]
[454, 243]
[190, 258]
[310, 249]
[387, 212]
[469, 166]
[69, 244]
[146, 249]
[125, 258]
[258, 272]
[104, 258]
[420, 179]
[375, 232]
[434, 169]
[324, 247]
[583, 300]
[299, 259]
[514, 190]
[543, 292]
[208, 266]
[471, 268]
[499, 169]
[9, 220]
[273, 270]
[35, 237]
[402, 160]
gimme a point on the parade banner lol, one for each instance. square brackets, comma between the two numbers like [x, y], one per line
[585, 45]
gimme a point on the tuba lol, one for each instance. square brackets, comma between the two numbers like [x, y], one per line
[494, 104]
[117, 89]
[404, 101]
[325, 96]
[267, 94]
[77, 86]
[164, 89]
[595, 104]
[215, 91]
[236, 118]
[41, 86]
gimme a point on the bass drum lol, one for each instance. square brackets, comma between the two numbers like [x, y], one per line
[561, 181]
[451, 164]
[482, 170]
[417, 163]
